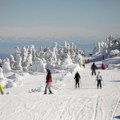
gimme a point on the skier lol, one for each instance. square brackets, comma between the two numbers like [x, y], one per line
[48, 82]
[103, 57]
[77, 78]
[84, 63]
[1, 89]
[93, 68]
[99, 79]
[103, 66]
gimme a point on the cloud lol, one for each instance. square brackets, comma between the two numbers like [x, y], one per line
[58, 31]
[43, 32]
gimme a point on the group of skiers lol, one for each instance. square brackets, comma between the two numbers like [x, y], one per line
[98, 77]
[77, 78]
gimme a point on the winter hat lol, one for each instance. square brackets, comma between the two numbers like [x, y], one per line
[48, 71]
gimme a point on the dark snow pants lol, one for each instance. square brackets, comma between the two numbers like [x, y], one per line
[93, 72]
[99, 84]
[48, 86]
[77, 84]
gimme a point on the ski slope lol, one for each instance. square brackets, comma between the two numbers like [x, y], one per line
[27, 101]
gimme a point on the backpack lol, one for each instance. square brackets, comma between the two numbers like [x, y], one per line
[99, 77]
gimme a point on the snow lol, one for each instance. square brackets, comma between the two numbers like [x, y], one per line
[27, 101]
[38, 65]
[1, 73]
[23, 77]
[112, 61]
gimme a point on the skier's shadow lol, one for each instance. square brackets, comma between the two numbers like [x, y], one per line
[83, 88]
[114, 81]
[117, 117]
[88, 88]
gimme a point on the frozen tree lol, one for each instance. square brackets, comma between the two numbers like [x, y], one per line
[79, 59]
[38, 65]
[65, 44]
[58, 62]
[29, 60]
[53, 57]
[18, 58]
[1, 73]
[114, 52]
[0, 63]
[24, 55]
[67, 60]
[17, 51]
[12, 62]
[65, 47]
[55, 48]
[6, 65]
[33, 52]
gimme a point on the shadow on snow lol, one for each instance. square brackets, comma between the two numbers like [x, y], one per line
[117, 117]
[114, 81]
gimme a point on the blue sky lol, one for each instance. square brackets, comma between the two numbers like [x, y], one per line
[59, 18]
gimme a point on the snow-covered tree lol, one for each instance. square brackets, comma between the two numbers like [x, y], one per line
[12, 62]
[6, 65]
[1, 73]
[29, 57]
[108, 46]
[38, 65]
[18, 58]
[114, 52]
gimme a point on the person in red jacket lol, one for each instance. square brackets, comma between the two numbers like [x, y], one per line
[103, 66]
[48, 82]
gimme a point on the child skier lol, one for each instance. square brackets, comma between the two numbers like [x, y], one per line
[99, 79]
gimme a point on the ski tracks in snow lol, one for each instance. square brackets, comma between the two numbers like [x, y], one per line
[99, 111]
[50, 107]
[115, 115]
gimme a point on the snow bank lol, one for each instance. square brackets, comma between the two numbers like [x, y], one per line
[115, 60]
[6, 66]
[114, 66]
[12, 81]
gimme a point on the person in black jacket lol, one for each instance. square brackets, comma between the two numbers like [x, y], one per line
[93, 68]
[77, 78]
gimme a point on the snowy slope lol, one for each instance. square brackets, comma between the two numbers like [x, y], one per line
[27, 101]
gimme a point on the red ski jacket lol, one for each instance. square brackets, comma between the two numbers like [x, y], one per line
[48, 78]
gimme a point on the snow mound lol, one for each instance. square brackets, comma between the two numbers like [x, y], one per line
[114, 66]
[115, 60]
[11, 81]
[14, 76]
